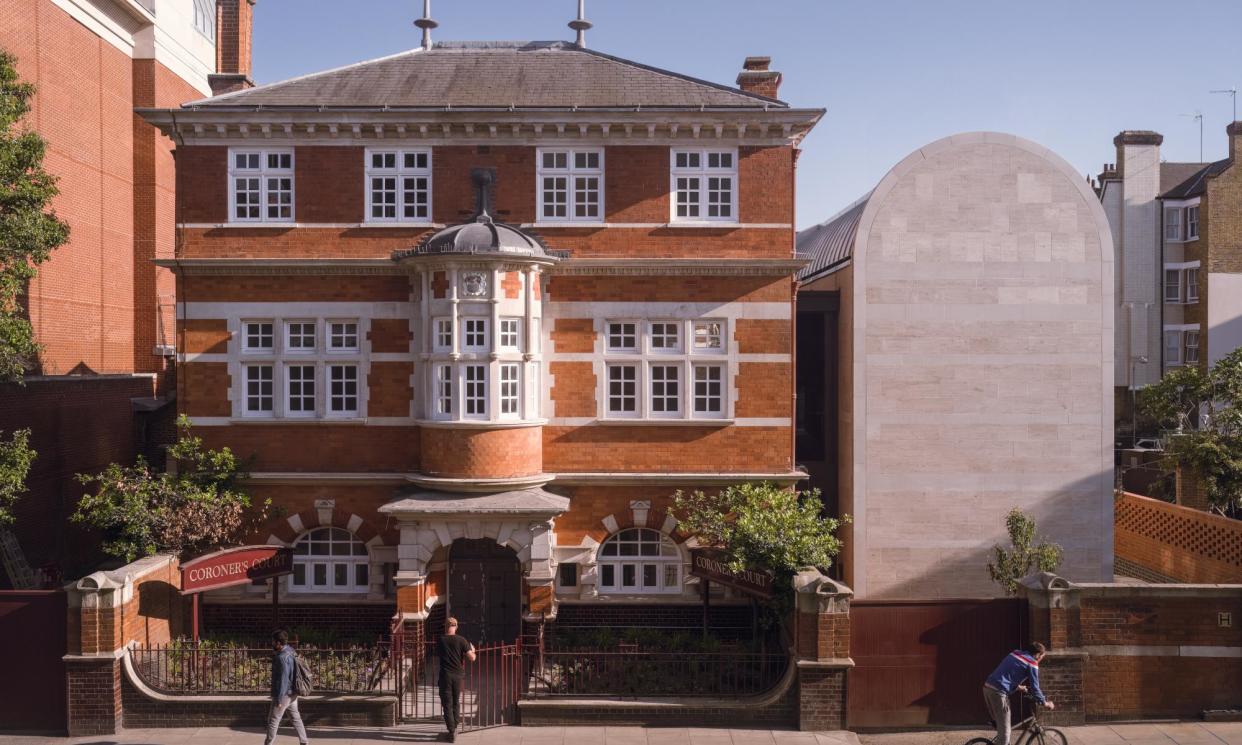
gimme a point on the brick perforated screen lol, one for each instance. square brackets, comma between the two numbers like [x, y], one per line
[1178, 542]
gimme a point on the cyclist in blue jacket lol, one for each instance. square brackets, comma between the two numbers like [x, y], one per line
[1020, 666]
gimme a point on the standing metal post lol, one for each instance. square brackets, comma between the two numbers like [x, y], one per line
[275, 603]
[707, 602]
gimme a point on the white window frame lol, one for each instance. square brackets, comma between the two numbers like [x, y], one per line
[1176, 347]
[1187, 338]
[667, 556]
[1192, 222]
[442, 331]
[703, 172]
[465, 384]
[398, 172]
[661, 382]
[722, 336]
[331, 396]
[246, 336]
[507, 387]
[637, 395]
[466, 334]
[570, 172]
[645, 357]
[1191, 282]
[1173, 286]
[443, 375]
[205, 19]
[287, 389]
[273, 394]
[693, 394]
[332, 537]
[636, 348]
[1173, 227]
[280, 356]
[511, 330]
[331, 335]
[263, 172]
[678, 336]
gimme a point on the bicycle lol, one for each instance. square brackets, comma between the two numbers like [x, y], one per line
[1029, 731]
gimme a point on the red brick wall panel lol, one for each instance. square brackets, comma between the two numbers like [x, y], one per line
[572, 335]
[666, 448]
[573, 389]
[390, 391]
[765, 187]
[513, 196]
[329, 184]
[206, 389]
[656, 288]
[318, 447]
[481, 453]
[202, 183]
[275, 289]
[205, 335]
[760, 336]
[764, 389]
[636, 184]
[390, 335]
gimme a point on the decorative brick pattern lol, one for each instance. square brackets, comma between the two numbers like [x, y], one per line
[481, 453]
[1179, 542]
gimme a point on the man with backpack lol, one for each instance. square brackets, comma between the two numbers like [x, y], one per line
[286, 683]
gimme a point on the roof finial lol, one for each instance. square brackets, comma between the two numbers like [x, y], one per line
[426, 24]
[581, 24]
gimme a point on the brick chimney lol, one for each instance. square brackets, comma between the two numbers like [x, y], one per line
[1234, 131]
[756, 78]
[234, 31]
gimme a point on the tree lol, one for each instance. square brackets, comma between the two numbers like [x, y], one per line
[1202, 411]
[15, 459]
[1011, 565]
[762, 525]
[28, 231]
[200, 507]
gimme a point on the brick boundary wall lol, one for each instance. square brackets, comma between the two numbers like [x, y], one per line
[1178, 542]
[1120, 652]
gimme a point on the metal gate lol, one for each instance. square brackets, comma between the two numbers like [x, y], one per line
[924, 662]
[494, 681]
[32, 623]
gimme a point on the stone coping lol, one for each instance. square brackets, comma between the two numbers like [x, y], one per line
[832, 663]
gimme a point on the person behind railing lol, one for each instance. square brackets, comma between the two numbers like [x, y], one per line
[284, 695]
[454, 651]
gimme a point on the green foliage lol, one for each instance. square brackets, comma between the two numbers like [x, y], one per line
[16, 456]
[1204, 412]
[198, 508]
[761, 525]
[28, 231]
[1011, 565]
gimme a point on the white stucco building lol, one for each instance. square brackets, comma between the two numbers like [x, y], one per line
[973, 365]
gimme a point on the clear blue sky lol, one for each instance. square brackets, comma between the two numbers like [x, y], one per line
[893, 74]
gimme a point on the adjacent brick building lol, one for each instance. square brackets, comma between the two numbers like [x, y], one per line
[101, 309]
[478, 310]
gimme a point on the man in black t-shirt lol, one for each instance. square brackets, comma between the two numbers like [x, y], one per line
[454, 651]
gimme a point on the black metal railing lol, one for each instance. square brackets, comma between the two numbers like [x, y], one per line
[638, 674]
[205, 668]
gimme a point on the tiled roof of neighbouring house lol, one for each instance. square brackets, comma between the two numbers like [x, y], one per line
[1172, 174]
[1194, 184]
[831, 243]
[538, 74]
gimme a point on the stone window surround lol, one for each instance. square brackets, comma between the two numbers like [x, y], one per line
[351, 560]
[279, 358]
[686, 358]
[262, 173]
[398, 173]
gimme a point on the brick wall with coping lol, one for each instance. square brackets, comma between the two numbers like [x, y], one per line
[1185, 544]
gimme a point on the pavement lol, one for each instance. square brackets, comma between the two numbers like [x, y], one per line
[1152, 733]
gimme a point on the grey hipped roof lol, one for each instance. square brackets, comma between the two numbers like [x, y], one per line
[1172, 174]
[538, 74]
[831, 243]
[1194, 183]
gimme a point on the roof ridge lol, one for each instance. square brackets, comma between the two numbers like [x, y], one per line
[679, 76]
[297, 78]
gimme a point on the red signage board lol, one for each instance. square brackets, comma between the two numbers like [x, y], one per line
[235, 566]
[710, 564]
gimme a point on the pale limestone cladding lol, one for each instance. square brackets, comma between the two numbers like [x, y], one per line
[982, 367]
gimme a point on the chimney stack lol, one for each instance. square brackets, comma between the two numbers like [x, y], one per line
[1134, 141]
[1234, 131]
[234, 30]
[756, 78]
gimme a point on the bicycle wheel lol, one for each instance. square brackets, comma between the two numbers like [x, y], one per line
[979, 741]
[1050, 736]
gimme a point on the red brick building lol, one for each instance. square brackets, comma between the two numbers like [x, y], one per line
[101, 309]
[478, 310]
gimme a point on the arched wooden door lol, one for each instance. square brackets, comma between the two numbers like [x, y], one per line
[485, 585]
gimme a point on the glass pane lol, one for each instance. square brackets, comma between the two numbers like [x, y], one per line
[608, 577]
[299, 574]
[670, 575]
[319, 549]
[320, 574]
[340, 548]
[340, 574]
[649, 575]
[360, 548]
[628, 575]
[361, 575]
[610, 549]
[629, 549]
[650, 549]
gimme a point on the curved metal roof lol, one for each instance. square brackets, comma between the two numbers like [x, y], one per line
[481, 236]
[830, 244]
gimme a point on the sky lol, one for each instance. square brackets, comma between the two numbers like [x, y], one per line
[893, 75]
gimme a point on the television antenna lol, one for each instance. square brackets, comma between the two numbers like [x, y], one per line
[1199, 116]
[1233, 93]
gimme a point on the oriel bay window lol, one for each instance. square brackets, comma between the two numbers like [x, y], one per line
[300, 368]
[665, 369]
[260, 185]
[398, 185]
[639, 560]
[571, 184]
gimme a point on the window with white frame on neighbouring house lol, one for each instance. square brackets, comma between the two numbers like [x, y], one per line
[205, 18]
[1172, 223]
[398, 185]
[639, 560]
[704, 185]
[1181, 283]
[301, 368]
[1172, 285]
[1172, 347]
[570, 184]
[1192, 347]
[652, 372]
[330, 560]
[261, 185]
[1192, 222]
[1192, 285]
